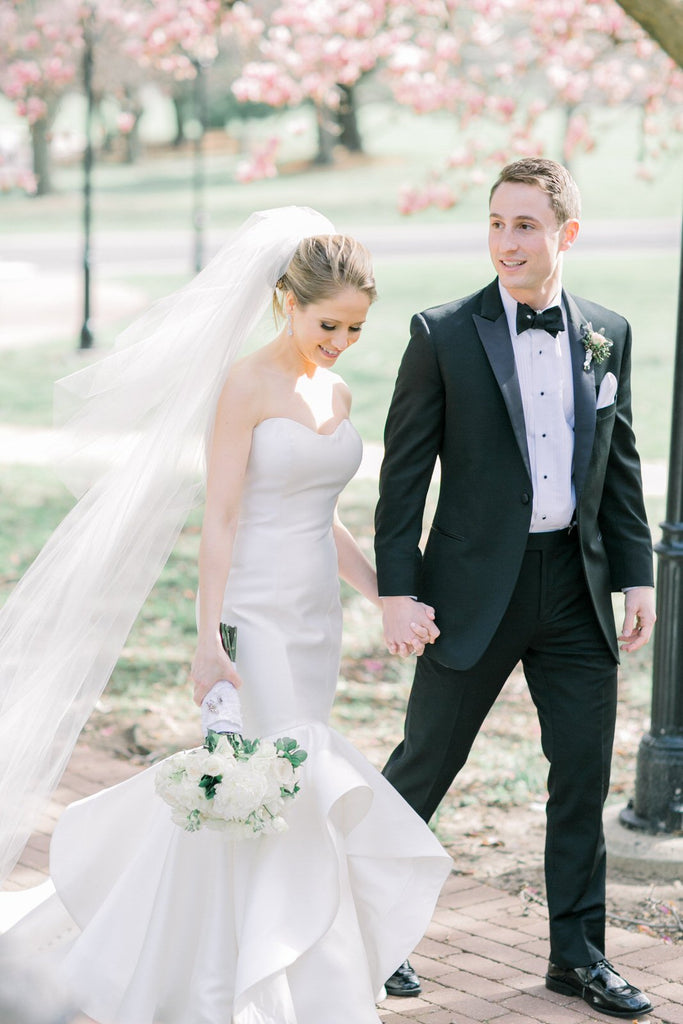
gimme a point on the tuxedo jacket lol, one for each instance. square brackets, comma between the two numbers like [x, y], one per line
[457, 398]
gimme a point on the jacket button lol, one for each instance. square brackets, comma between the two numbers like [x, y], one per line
[525, 498]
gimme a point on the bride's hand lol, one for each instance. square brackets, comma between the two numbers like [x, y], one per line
[210, 667]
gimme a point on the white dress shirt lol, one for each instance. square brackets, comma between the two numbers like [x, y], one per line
[544, 370]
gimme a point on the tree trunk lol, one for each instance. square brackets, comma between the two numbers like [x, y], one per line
[661, 19]
[347, 119]
[328, 136]
[41, 156]
[132, 147]
[179, 120]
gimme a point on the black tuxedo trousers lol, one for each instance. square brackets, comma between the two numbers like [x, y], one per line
[551, 627]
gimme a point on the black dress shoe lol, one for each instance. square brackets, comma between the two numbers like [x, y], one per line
[601, 987]
[403, 982]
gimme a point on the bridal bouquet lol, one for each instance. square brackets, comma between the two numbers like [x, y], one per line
[231, 784]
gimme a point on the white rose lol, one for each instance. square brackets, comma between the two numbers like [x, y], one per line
[265, 749]
[194, 765]
[243, 793]
[188, 794]
[284, 773]
[214, 764]
[169, 771]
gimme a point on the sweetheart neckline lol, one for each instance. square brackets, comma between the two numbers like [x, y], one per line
[316, 433]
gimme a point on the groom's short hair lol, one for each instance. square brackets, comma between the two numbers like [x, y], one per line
[552, 178]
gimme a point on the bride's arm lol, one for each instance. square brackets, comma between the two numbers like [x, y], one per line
[236, 415]
[354, 567]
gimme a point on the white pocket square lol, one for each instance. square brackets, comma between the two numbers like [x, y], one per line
[607, 392]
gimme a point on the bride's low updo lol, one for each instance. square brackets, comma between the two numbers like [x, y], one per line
[322, 266]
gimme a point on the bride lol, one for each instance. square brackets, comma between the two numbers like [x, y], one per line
[142, 922]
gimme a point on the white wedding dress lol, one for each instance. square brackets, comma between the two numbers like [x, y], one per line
[161, 926]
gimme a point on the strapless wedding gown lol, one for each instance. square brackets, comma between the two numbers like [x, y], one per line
[168, 927]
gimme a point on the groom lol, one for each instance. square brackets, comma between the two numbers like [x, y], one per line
[522, 391]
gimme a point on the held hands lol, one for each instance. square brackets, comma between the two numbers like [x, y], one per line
[408, 625]
[210, 665]
[639, 618]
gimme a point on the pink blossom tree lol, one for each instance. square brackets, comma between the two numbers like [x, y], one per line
[42, 44]
[39, 45]
[495, 66]
[315, 51]
[513, 60]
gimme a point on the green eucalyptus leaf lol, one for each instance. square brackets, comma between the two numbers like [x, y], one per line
[229, 640]
[209, 783]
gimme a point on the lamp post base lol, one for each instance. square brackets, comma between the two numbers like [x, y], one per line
[636, 854]
[658, 803]
[86, 336]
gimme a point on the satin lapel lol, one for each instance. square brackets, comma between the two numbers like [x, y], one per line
[493, 332]
[584, 395]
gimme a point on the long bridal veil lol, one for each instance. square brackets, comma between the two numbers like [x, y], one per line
[137, 423]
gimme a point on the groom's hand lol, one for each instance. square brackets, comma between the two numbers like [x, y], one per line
[408, 625]
[639, 618]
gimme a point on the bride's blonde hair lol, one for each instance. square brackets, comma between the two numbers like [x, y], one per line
[321, 266]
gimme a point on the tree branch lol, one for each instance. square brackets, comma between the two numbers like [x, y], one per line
[661, 19]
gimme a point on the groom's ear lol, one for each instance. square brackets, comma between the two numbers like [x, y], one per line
[571, 230]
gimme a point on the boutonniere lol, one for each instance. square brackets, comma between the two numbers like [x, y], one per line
[597, 346]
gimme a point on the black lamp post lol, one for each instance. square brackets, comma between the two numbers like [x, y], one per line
[658, 803]
[86, 333]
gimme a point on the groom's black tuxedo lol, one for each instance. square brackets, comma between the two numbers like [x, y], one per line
[458, 399]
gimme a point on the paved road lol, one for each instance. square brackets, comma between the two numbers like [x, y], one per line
[171, 251]
[41, 275]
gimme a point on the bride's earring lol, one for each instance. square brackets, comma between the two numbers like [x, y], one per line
[290, 329]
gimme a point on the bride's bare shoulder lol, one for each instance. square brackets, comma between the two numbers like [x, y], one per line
[243, 389]
[341, 391]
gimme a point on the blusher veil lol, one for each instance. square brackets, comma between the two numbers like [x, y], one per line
[148, 406]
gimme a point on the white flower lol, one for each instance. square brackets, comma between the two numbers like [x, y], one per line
[284, 773]
[194, 766]
[244, 795]
[213, 765]
[248, 799]
[597, 346]
[265, 751]
[279, 824]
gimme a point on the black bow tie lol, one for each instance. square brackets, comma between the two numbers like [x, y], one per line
[549, 320]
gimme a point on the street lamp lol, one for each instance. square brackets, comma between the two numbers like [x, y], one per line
[198, 179]
[86, 333]
[658, 802]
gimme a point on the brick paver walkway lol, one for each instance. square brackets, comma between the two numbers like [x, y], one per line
[482, 959]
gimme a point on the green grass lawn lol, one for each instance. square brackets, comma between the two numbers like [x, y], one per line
[644, 291]
[400, 148]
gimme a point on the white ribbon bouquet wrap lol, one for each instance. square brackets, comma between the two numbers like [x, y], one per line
[231, 784]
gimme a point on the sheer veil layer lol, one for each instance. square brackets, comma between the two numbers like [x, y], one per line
[149, 406]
